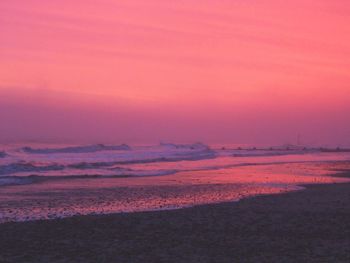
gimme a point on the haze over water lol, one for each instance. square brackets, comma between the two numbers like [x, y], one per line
[256, 72]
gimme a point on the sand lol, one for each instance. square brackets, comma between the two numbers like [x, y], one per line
[305, 226]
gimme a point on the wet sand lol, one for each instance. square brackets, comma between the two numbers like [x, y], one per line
[305, 226]
[68, 197]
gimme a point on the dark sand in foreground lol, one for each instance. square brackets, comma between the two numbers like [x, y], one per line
[304, 226]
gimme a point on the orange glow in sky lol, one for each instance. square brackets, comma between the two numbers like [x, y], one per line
[244, 71]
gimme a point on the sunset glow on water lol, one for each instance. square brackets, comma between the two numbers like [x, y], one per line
[47, 183]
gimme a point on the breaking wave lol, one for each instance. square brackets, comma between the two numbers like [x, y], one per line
[91, 165]
[28, 167]
[194, 146]
[78, 149]
[116, 173]
[4, 181]
[180, 157]
[100, 163]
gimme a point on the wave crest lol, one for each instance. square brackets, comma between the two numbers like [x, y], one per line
[193, 146]
[78, 149]
[4, 181]
[28, 167]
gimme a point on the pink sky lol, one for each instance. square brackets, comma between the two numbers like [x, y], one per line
[244, 71]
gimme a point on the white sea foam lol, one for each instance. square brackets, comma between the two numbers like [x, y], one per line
[194, 146]
[97, 161]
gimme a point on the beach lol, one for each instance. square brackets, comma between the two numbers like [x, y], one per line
[174, 203]
[312, 225]
[174, 131]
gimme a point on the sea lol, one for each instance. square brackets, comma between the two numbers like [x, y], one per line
[50, 181]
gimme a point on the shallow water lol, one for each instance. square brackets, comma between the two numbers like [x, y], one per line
[94, 180]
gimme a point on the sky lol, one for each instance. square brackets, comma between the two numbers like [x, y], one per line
[217, 71]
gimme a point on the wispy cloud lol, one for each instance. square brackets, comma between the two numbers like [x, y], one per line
[214, 57]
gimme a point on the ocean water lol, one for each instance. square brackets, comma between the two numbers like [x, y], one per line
[53, 181]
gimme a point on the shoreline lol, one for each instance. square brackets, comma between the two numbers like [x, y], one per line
[158, 193]
[310, 225]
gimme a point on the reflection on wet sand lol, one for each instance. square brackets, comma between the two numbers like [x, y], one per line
[62, 198]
